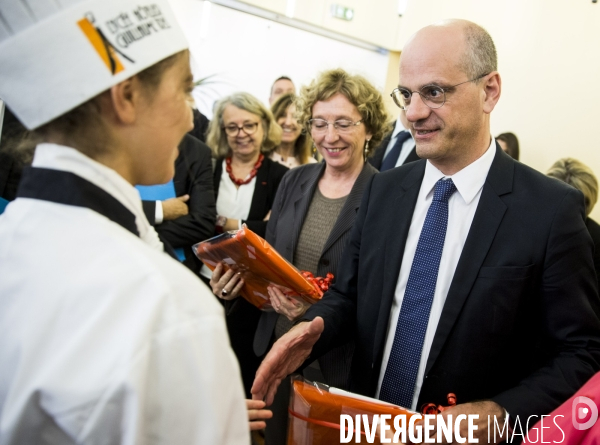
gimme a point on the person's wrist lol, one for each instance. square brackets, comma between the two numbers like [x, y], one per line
[220, 223]
[300, 314]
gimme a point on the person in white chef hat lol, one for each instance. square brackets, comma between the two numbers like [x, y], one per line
[103, 337]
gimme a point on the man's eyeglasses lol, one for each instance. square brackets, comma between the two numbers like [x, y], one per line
[342, 125]
[433, 96]
[248, 128]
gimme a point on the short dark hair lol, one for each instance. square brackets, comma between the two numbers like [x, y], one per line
[281, 78]
[277, 80]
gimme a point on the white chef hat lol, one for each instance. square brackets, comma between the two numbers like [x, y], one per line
[58, 54]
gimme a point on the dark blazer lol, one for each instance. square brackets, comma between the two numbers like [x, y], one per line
[200, 125]
[594, 230]
[377, 158]
[193, 176]
[517, 325]
[268, 177]
[289, 211]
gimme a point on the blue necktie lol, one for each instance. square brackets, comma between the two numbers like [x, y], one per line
[401, 372]
[392, 157]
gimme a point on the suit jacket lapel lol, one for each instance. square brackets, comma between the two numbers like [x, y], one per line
[486, 221]
[259, 206]
[412, 156]
[347, 215]
[377, 157]
[302, 201]
[400, 218]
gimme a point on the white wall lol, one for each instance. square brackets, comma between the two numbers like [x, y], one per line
[374, 21]
[247, 53]
[549, 60]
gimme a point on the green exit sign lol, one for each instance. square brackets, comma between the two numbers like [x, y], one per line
[341, 12]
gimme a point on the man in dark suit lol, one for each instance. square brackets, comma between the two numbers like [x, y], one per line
[466, 272]
[190, 217]
[397, 147]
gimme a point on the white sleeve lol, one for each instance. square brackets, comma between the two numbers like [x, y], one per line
[158, 213]
[185, 387]
[193, 388]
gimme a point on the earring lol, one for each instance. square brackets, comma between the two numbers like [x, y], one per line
[314, 149]
[366, 150]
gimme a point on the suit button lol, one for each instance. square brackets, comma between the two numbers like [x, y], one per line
[325, 262]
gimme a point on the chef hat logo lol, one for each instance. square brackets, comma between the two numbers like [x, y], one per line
[56, 55]
[105, 49]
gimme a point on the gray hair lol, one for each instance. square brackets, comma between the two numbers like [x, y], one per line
[480, 56]
[216, 138]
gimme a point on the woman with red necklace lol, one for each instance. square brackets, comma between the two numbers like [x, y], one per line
[241, 135]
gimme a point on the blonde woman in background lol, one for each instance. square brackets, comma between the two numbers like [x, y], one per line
[295, 148]
[580, 176]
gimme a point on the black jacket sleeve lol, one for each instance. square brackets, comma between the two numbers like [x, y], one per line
[570, 324]
[149, 208]
[268, 178]
[193, 176]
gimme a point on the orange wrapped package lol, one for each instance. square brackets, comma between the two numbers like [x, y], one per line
[260, 265]
[315, 410]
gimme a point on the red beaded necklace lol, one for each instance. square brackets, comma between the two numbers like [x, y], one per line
[252, 173]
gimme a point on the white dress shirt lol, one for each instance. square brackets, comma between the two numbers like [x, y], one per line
[407, 146]
[461, 209]
[233, 202]
[103, 337]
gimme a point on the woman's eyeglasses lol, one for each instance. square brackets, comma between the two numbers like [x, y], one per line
[342, 125]
[248, 128]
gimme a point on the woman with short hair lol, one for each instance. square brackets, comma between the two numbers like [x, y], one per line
[314, 212]
[580, 176]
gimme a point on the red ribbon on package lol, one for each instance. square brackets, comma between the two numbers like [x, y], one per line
[319, 283]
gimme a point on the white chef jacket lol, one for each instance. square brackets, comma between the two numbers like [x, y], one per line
[105, 339]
